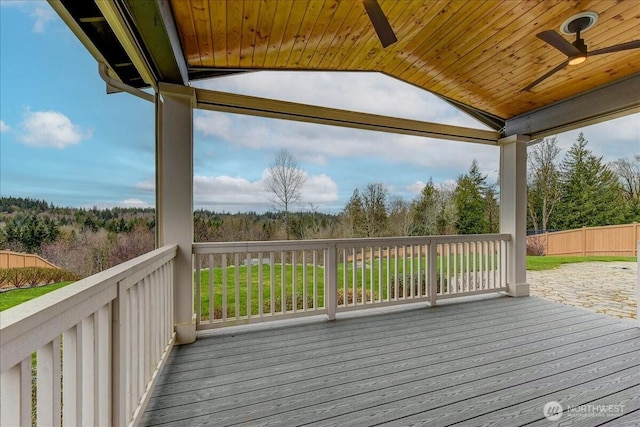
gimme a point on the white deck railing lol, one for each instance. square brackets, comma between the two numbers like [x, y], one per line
[247, 282]
[89, 353]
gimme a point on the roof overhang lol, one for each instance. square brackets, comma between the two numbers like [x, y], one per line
[145, 42]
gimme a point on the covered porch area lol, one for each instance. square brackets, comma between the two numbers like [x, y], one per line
[147, 342]
[491, 361]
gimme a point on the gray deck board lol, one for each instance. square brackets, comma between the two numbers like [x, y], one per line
[489, 362]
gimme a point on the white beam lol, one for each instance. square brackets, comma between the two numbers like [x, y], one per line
[513, 209]
[607, 102]
[174, 199]
[262, 107]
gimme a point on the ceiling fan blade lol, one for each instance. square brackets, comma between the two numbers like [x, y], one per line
[546, 76]
[617, 48]
[559, 42]
[380, 22]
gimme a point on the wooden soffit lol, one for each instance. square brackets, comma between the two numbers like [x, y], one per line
[478, 54]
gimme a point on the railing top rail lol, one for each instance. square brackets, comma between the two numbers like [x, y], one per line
[68, 305]
[258, 246]
[474, 238]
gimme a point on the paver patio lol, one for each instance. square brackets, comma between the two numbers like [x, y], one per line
[604, 287]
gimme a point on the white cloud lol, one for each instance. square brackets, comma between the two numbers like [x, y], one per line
[134, 203]
[322, 145]
[51, 129]
[147, 185]
[4, 127]
[319, 143]
[416, 187]
[212, 191]
[41, 17]
[214, 124]
[612, 140]
[367, 92]
[126, 203]
[319, 190]
[235, 193]
[378, 94]
[39, 11]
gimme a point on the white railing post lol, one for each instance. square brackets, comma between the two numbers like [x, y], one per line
[638, 288]
[174, 197]
[513, 210]
[331, 280]
[118, 360]
[432, 255]
[11, 394]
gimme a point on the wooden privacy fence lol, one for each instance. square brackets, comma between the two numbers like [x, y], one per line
[611, 240]
[9, 259]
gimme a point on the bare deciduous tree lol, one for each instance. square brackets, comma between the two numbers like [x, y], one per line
[374, 207]
[284, 183]
[543, 179]
[399, 216]
[629, 173]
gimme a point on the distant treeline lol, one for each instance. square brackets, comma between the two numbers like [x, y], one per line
[580, 190]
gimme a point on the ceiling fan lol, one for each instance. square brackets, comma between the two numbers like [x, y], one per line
[576, 52]
[380, 22]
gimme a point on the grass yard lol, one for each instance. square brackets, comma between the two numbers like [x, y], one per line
[237, 299]
[243, 290]
[14, 297]
[537, 263]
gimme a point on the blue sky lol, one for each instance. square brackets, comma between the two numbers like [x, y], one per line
[64, 140]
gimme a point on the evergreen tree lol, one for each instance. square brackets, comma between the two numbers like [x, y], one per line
[354, 214]
[469, 199]
[424, 212]
[591, 194]
[492, 210]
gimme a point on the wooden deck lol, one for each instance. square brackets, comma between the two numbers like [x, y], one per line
[492, 361]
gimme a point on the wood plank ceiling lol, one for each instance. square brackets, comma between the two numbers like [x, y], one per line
[478, 53]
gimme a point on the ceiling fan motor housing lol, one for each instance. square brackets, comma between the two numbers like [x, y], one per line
[580, 45]
[579, 23]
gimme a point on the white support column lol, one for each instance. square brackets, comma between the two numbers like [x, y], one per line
[513, 210]
[174, 197]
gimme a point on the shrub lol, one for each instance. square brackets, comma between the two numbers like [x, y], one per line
[33, 276]
[266, 308]
[367, 296]
[217, 313]
[421, 284]
[536, 245]
[412, 288]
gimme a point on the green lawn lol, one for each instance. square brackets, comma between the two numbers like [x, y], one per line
[449, 264]
[537, 263]
[18, 296]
